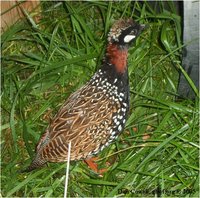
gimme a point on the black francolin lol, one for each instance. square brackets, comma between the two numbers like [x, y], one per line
[93, 116]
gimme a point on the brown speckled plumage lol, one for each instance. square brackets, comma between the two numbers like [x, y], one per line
[93, 116]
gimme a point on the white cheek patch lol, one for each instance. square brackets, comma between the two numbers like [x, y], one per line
[128, 38]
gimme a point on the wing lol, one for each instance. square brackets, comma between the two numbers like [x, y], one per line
[85, 119]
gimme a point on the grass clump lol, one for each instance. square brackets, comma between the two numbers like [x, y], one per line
[42, 64]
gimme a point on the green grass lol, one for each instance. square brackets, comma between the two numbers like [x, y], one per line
[42, 64]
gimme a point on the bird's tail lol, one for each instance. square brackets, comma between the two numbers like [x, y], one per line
[36, 163]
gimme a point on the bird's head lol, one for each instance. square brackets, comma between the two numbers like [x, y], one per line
[124, 32]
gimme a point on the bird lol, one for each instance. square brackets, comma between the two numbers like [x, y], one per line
[93, 116]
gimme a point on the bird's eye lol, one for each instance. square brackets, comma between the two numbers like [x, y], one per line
[133, 32]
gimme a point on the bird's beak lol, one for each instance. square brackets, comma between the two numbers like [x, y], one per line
[143, 26]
